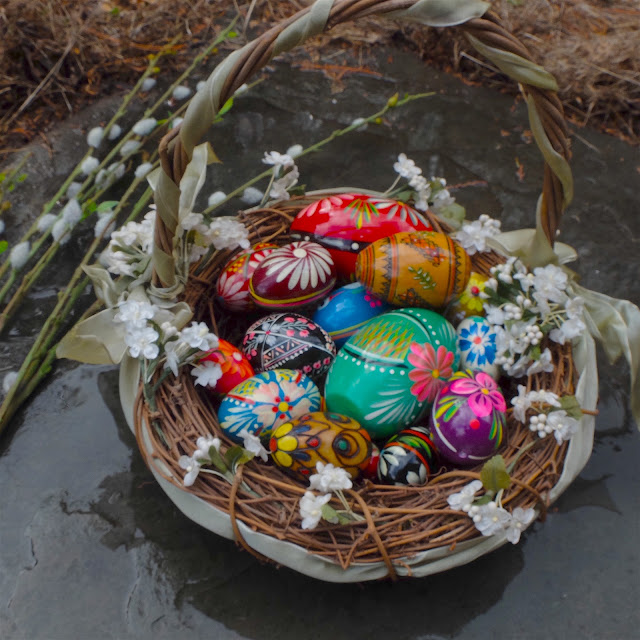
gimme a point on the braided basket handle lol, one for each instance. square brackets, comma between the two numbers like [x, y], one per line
[483, 29]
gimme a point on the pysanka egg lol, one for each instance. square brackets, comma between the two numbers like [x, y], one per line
[346, 310]
[419, 269]
[409, 458]
[232, 287]
[235, 367]
[291, 341]
[349, 222]
[266, 401]
[477, 345]
[298, 445]
[468, 418]
[293, 276]
[469, 302]
[387, 375]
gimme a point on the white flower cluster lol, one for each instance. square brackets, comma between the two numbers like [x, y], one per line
[140, 336]
[200, 456]
[328, 479]
[224, 232]
[285, 167]
[549, 418]
[129, 251]
[181, 347]
[473, 235]
[526, 306]
[491, 518]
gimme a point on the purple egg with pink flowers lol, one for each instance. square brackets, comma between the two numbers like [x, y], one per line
[468, 418]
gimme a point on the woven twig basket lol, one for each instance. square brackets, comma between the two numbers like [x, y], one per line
[405, 531]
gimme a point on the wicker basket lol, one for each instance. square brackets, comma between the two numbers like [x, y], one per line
[405, 531]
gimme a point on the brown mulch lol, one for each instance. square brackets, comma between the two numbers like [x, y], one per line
[56, 57]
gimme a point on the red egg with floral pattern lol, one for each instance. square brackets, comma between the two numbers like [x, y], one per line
[292, 276]
[235, 367]
[347, 223]
[232, 287]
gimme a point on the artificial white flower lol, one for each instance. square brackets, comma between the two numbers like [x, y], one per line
[142, 169]
[494, 315]
[519, 521]
[295, 150]
[181, 92]
[490, 519]
[148, 84]
[207, 373]
[72, 212]
[197, 336]
[168, 330]
[20, 255]
[406, 167]
[94, 137]
[473, 236]
[144, 127]
[330, 478]
[191, 221]
[550, 283]
[142, 341]
[277, 160]
[192, 467]
[89, 165]
[563, 425]
[311, 509]
[174, 352]
[203, 444]
[9, 380]
[227, 232]
[135, 313]
[251, 195]
[176, 122]
[130, 146]
[544, 364]
[441, 200]
[464, 499]
[253, 445]
[280, 188]
[114, 132]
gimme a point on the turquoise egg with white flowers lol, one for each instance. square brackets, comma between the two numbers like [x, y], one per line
[476, 340]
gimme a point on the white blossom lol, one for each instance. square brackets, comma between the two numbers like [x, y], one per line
[473, 236]
[94, 137]
[568, 330]
[544, 364]
[203, 444]
[295, 150]
[142, 169]
[330, 478]
[519, 521]
[490, 519]
[197, 336]
[216, 198]
[311, 509]
[207, 373]
[20, 255]
[9, 380]
[253, 445]
[143, 342]
[181, 92]
[278, 160]
[495, 315]
[191, 221]
[130, 146]
[227, 232]
[174, 352]
[406, 167]
[144, 127]
[464, 499]
[89, 165]
[74, 189]
[135, 313]
[441, 200]
[251, 195]
[562, 425]
[115, 132]
[192, 467]
[280, 188]
[550, 283]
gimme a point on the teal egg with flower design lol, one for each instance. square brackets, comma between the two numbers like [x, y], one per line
[388, 374]
[477, 345]
[468, 418]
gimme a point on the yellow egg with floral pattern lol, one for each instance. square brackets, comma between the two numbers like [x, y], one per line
[470, 302]
[298, 445]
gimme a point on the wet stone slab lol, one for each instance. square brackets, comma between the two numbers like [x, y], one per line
[92, 548]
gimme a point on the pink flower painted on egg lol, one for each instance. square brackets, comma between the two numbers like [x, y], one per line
[432, 369]
[484, 394]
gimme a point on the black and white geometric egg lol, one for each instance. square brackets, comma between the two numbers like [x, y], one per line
[408, 458]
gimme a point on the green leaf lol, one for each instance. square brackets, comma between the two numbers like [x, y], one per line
[4, 245]
[232, 34]
[115, 11]
[486, 499]
[571, 405]
[107, 205]
[494, 475]
[217, 460]
[236, 456]
[22, 177]
[330, 514]
[535, 352]
[3, 177]
[226, 107]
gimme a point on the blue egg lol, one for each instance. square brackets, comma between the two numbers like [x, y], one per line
[476, 339]
[265, 401]
[346, 310]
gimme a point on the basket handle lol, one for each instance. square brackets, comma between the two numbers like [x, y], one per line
[482, 28]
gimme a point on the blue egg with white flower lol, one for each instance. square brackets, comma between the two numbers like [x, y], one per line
[346, 310]
[476, 339]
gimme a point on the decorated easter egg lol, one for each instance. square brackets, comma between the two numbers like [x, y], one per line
[293, 276]
[291, 341]
[232, 287]
[371, 470]
[347, 223]
[235, 367]
[469, 302]
[419, 269]
[387, 375]
[265, 401]
[477, 345]
[347, 309]
[298, 445]
[468, 418]
[408, 458]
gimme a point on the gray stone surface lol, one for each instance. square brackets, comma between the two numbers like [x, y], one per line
[90, 547]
